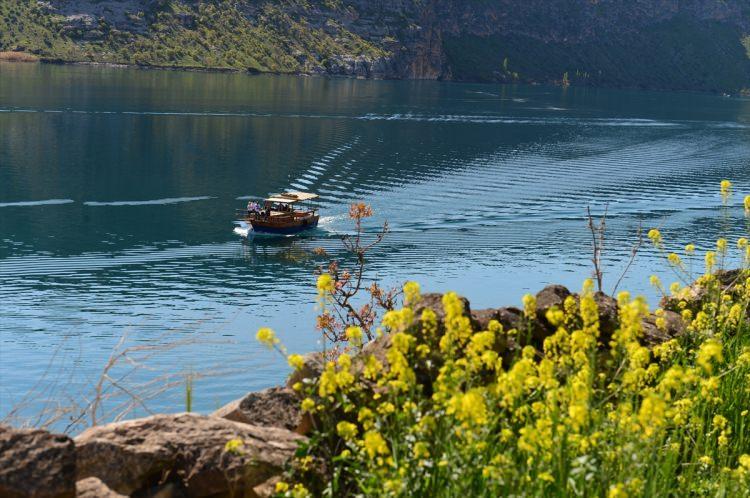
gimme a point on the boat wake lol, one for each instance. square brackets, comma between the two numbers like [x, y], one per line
[48, 202]
[243, 231]
[169, 200]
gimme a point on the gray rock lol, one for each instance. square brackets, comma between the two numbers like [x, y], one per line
[185, 450]
[609, 319]
[36, 464]
[552, 295]
[434, 301]
[273, 407]
[653, 335]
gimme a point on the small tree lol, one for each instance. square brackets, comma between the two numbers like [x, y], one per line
[338, 287]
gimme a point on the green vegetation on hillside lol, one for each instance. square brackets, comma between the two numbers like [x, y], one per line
[206, 34]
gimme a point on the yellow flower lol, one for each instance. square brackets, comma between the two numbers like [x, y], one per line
[386, 408]
[555, 316]
[655, 236]
[546, 476]
[674, 259]
[719, 422]
[468, 407]
[307, 405]
[710, 261]
[372, 367]
[656, 282]
[354, 334]
[529, 305]
[617, 491]
[747, 204]
[675, 288]
[234, 446]
[690, 249]
[374, 444]
[726, 190]
[300, 491]
[365, 417]
[411, 293]
[742, 243]
[325, 284]
[651, 414]
[296, 361]
[346, 430]
[282, 487]
[267, 337]
[421, 450]
[721, 245]
[709, 353]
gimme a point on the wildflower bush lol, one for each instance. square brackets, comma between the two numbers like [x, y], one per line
[437, 406]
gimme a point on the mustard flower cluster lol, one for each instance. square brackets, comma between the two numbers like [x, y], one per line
[437, 408]
[553, 403]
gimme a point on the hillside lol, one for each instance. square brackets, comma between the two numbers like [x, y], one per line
[661, 44]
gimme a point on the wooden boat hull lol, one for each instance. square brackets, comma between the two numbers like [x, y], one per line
[287, 228]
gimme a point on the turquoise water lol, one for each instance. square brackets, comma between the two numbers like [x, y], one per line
[118, 188]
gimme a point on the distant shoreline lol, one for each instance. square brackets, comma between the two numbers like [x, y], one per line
[24, 57]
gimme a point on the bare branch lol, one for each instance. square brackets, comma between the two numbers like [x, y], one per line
[633, 253]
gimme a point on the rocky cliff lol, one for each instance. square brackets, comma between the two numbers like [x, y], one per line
[675, 44]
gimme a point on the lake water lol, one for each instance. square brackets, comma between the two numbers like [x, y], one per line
[118, 189]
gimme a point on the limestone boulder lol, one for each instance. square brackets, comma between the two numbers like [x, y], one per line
[36, 464]
[273, 407]
[186, 451]
[92, 487]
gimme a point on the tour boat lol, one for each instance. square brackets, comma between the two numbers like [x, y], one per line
[278, 214]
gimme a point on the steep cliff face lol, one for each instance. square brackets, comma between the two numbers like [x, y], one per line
[681, 44]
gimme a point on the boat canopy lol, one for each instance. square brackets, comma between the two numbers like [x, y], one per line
[291, 197]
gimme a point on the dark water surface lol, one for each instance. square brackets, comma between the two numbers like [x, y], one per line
[117, 190]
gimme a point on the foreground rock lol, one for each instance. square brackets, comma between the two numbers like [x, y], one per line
[313, 365]
[36, 464]
[186, 452]
[92, 487]
[273, 407]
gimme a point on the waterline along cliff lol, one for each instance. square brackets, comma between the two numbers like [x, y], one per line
[657, 44]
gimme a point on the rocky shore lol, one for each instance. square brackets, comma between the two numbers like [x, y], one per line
[244, 448]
